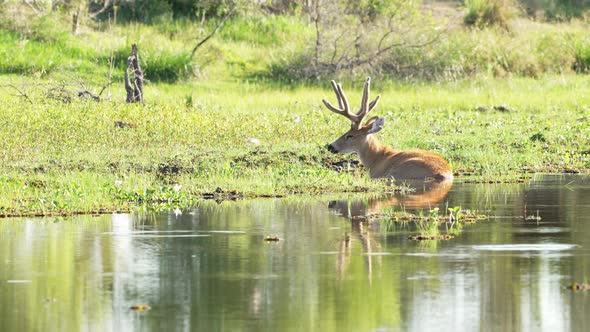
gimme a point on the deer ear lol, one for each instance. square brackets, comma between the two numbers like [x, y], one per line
[375, 124]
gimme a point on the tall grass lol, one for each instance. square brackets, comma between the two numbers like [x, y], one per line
[486, 13]
[530, 49]
[581, 48]
[44, 46]
[533, 49]
[269, 31]
[277, 49]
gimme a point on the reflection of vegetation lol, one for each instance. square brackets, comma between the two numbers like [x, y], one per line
[55, 264]
[430, 226]
[276, 287]
[271, 238]
[140, 307]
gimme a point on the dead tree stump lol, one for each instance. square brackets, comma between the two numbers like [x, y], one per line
[135, 91]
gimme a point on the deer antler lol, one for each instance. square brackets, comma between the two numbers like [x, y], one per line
[366, 107]
[343, 109]
[342, 102]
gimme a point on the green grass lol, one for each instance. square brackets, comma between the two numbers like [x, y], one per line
[278, 48]
[59, 158]
[523, 109]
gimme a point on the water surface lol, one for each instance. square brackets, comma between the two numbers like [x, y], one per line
[210, 269]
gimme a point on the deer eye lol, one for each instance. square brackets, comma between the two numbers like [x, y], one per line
[348, 137]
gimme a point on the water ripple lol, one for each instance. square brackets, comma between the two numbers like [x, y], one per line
[525, 247]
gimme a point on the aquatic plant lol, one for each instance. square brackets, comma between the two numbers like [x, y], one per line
[428, 226]
[454, 224]
[585, 286]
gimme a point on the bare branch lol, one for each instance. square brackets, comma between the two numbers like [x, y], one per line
[380, 52]
[336, 41]
[20, 93]
[85, 94]
[32, 5]
[105, 7]
[202, 24]
[388, 33]
[219, 25]
[348, 38]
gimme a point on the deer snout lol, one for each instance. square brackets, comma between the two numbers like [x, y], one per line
[332, 149]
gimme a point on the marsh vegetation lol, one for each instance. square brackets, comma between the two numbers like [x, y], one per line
[243, 117]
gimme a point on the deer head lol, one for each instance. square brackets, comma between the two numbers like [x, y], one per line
[356, 137]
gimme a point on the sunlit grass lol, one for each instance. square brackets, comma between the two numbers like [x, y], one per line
[489, 130]
[220, 122]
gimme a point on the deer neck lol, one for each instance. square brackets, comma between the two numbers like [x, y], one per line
[372, 152]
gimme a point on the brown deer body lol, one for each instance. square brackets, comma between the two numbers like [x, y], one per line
[382, 161]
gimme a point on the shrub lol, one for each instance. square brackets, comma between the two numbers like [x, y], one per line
[352, 38]
[292, 68]
[563, 10]
[484, 13]
[453, 56]
[581, 49]
[554, 53]
[168, 67]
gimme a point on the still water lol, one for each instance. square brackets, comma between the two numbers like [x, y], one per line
[210, 268]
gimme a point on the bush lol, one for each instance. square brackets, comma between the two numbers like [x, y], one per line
[353, 38]
[451, 57]
[564, 10]
[554, 53]
[168, 67]
[293, 68]
[581, 49]
[484, 13]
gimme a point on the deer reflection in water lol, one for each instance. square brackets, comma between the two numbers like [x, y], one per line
[431, 174]
[427, 195]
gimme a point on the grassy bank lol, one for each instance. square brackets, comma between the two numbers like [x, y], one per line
[195, 139]
[498, 103]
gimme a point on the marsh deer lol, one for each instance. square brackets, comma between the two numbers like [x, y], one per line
[382, 161]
